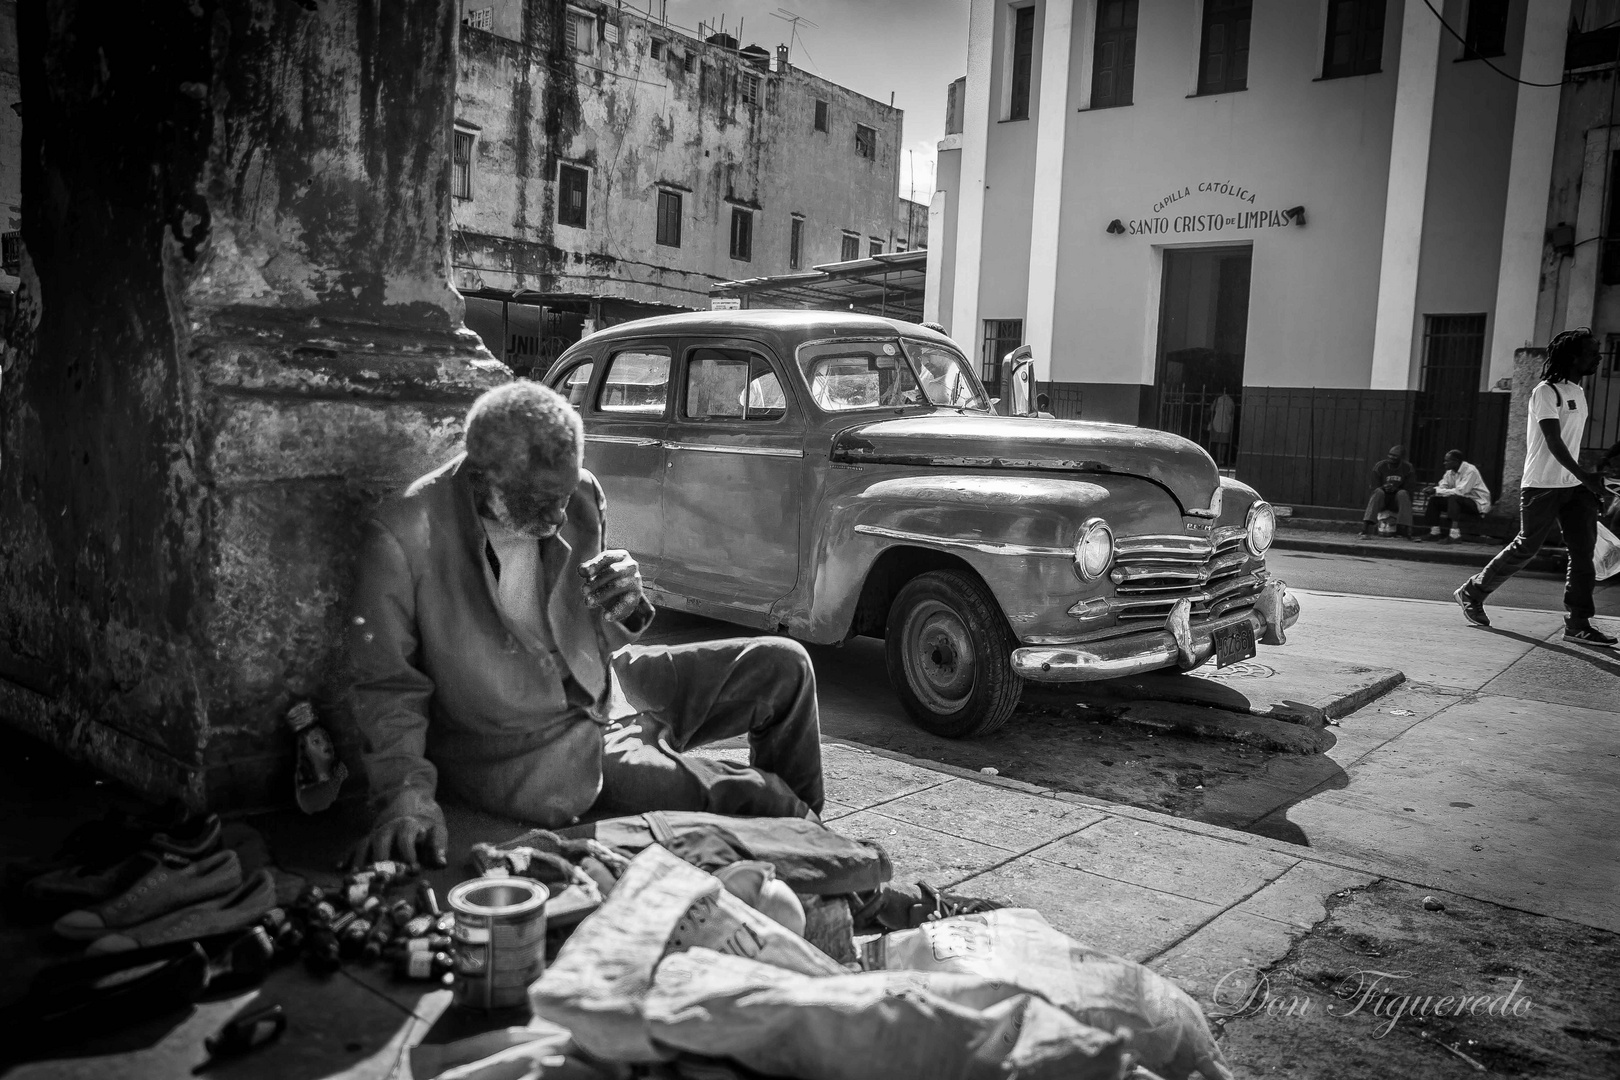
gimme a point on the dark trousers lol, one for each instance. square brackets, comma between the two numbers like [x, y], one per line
[1399, 501]
[1454, 508]
[1575, 511]
[690, 695]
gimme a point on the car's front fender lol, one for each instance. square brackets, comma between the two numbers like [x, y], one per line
[1016, 532]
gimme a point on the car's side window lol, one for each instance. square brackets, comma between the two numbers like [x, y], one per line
[574, 382]
[857, 375]
[732, 384]
[636, 382]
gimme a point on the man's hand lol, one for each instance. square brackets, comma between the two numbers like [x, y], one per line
[613, 584]
[1593, 482]
[401, 839]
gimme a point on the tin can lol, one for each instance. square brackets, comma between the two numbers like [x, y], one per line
[500, 940]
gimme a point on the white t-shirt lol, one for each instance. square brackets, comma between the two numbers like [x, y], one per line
[1541, 469]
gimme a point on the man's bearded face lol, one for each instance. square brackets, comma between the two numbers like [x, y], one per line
[532, 501]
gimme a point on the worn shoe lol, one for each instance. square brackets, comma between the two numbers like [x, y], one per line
[163, 889]
[1473, 608]
[1590, 635]
[220, 915]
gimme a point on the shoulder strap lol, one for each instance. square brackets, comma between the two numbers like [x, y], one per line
[1548, 383]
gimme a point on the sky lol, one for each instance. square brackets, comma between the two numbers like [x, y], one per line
[913, 49]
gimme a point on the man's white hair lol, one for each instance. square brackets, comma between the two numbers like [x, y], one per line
[523, 425]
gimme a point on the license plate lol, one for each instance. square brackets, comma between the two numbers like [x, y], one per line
[1234, 643]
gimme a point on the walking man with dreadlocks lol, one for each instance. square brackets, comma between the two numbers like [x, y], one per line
[1555, 489]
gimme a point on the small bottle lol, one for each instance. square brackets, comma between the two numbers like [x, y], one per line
[318, 773]
[425, 965]
[401, 911]
[356, 894]
[418, 926]
[432, 943]
[381, 932]
[445, 923]
[426, 900]
[353, 936]
[321, 952]
[312, 895]
[323, 913]
[370, 908]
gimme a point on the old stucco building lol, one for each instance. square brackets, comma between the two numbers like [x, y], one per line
[1295, 232]
[609, 166]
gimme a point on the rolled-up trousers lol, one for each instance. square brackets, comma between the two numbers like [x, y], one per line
[690, 695]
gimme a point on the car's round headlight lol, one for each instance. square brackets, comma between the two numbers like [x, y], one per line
[1094, 550]
[1262, 526]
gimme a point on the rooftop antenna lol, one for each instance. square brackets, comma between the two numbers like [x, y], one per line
[793, 20]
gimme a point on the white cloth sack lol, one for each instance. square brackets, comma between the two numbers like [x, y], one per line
[1606, 556]
[1168, 1032]
[889, 1024]
[661, 905]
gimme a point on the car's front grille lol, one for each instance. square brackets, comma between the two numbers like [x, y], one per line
[1152, 572]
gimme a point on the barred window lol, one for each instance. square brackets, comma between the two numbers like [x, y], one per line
[463, 164]
[669, 218]
[573, 184]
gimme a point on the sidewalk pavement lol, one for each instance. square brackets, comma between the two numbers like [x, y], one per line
[1490, 777]
[1472, 553]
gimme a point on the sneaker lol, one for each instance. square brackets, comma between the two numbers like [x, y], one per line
[1473, 608]
[1368, 529]
[1456, 533]
[163, 889]
[1590, 635]
[1434, 530]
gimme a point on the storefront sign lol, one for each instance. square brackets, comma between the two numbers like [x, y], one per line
[1163, 224]
[1208, 223]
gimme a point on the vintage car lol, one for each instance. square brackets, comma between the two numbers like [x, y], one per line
[826, 475]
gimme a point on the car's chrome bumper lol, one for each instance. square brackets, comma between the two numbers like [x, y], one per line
[1178, 644]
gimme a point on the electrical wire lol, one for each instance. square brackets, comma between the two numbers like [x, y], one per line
[1493, 67]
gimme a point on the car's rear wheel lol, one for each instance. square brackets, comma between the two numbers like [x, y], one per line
[950, 655]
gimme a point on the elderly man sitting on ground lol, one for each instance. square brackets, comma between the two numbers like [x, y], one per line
[491, 656]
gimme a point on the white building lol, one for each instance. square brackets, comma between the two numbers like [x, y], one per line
[1331, 213]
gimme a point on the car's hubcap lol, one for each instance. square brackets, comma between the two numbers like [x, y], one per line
[939, 657]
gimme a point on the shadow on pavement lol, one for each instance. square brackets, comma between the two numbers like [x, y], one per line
[1608, 663]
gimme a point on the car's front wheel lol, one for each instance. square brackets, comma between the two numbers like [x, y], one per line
[950, 655]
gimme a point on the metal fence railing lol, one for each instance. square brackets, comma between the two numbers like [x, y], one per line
[1603, 398]
[1209, 417]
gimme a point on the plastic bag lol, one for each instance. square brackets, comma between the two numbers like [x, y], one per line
[1017, 946]
[661, 905]
[891, 1024]
[1606, 555]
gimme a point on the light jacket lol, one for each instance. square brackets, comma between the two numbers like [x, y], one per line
[445, 693]
[1465, 481]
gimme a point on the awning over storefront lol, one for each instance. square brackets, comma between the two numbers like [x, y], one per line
[529, 329]
[890, 284]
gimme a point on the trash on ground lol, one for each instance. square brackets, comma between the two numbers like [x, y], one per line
[1433, 903]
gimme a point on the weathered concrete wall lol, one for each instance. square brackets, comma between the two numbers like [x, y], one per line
[639, 124]
[10, 133]
[235, 335]
[1527, 365]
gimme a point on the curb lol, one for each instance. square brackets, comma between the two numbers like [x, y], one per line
[1339, 707]
[1403, 551]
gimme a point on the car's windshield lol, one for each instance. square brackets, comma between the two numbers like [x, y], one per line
[944, 377]
[846, 375]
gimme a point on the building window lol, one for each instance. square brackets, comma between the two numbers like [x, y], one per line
[655, 49]
[1113, 60]
[1223, 64]
[463, 164]
[1355, 38]
[1023, 60]
[821, 116]
[748, 89]
[480, 18]
[1486, 34]
[865, 141]
[572, 185]
[669, 218]
[689, 63]
[11, 251]
[1001, 336]
[874, 247]
[580, 31]
[796, 243]
[852, 247]
[742, 234]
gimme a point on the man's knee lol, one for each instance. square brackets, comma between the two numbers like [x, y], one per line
[782, 658]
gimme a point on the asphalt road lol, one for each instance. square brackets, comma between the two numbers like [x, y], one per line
[1424, 581]
[1091, 753]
